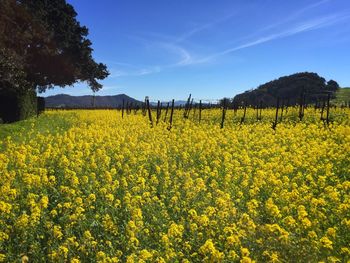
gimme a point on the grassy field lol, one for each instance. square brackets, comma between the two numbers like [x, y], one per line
[342, 96]
[89, 186]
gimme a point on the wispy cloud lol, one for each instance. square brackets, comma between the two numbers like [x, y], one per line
[138, 71]
[296, 29]
[296, 14]
[175, 45]
[203, 27]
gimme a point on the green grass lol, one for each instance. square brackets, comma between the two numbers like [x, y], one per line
[45, 124]
[342, 96]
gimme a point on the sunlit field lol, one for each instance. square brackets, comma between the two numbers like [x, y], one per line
[91, 186]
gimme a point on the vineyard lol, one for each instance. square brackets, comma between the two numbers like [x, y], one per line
[195, 185]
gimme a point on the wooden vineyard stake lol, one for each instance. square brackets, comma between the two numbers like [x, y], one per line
[276, 117]
[171, 115]
[287, 105]
[194, 110]
[282, 107]
[301, 106]
[130, 107]
[187, 106]
[166, 112]
[149, 112]
[123, 109]
[127, 108]
[327, 116]
[189, 109]
[200, 111]
[322, 109]
[144, 108]
[158, 112]
[223, 114]
[245, 110]
[261, 106]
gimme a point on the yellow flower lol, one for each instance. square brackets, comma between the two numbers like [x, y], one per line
[326, 243]
[209, 250]
[57, 233]
[145, 254]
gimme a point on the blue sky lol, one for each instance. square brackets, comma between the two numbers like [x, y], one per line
[167, 49]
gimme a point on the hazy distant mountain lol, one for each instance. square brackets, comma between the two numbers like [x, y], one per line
[63, 100]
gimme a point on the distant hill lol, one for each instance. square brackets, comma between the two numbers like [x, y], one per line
[289, 88]
[177, 103]
[63, 100]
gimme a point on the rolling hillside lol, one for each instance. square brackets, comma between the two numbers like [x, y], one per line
[342, 96]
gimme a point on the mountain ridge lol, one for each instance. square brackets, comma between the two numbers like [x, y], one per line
[89, 101]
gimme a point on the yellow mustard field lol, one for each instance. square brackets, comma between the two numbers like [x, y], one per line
[91, 186]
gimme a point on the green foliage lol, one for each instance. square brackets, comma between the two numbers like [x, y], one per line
[68, 55]
[19, 105]
[290, 89]
[42, 45]
[48, 45]
[27, 103]
[47, 123]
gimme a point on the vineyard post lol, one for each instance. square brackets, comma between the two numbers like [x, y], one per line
[171, 115]
[130, 107]
[322, 109]
[301, 106]
[282, 107]
[223, 113]
[287, 105]
[187, 106]
[276, 117]
[166, 112]
[200, 111]
[245, 110]
[127, 108]
[261, 106]
[328, 99]
[149, 113]
[123, 109]
[144, 108]
[158, 112]
[160, 109]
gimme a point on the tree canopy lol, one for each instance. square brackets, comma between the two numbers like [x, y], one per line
[289, 88]
[43, 45]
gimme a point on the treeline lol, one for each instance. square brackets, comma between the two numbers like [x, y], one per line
[294, 89]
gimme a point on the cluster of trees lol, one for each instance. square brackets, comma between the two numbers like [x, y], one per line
[309, 87]
[42, 45]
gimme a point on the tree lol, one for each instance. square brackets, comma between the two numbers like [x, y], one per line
[225, 102]
[332, 85]
[42, 46]
[307, 85]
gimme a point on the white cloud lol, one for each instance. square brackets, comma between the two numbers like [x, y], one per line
[296, 29]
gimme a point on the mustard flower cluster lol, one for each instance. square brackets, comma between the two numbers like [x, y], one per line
[108, 189]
